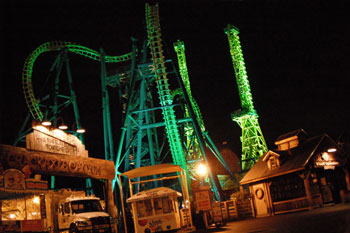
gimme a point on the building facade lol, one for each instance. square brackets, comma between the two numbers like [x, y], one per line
[302, 173]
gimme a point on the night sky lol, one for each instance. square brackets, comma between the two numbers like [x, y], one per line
[296, 55]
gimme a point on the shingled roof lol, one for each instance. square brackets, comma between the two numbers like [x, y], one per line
[291, 160]
[300, 133]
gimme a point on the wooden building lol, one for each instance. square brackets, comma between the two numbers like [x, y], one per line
[50, 152]
[302, 173]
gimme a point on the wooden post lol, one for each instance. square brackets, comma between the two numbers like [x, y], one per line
[122, 200]
[112, 210]
[241, 189]
[347, 178]
[235, 207]
[308, 193]
[205, 219]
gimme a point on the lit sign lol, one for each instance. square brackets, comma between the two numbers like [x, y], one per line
[55, 141]
[327, 163]
[14, 179]
[203, 200]
[326, 160]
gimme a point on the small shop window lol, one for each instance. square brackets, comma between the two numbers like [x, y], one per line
[158, 205]
[66, 208]
[33, 208]
[166, 205]
[140, 209]
[27, 208]
[287, 187]
[148, 205]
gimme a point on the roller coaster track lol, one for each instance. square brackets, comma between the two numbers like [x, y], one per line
[165, 97]
[32, 102]
[179, 47]
[253, 142]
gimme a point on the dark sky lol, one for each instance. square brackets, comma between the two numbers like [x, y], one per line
[296, 54]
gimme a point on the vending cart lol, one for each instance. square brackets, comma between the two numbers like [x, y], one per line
[155, 210]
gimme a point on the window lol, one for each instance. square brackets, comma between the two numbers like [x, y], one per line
[287, 187]
[83, 206]
[140, 209]
[148, 205]
[33, 208]
[66, 208]
[158, 205]
[273, 162]
[166, 205]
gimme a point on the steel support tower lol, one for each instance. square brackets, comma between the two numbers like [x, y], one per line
[193, 144]
[51, 105]
[253, 142]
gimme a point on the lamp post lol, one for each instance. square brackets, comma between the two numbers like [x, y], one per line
[202, 171]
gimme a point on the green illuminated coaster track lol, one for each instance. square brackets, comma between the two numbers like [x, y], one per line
[253, 142]
[164, 94]
[32, 102]
[180, 52]
[179, 47]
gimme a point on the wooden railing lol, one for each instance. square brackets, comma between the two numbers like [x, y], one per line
[229, 209]
[234, 209]
[292, 205]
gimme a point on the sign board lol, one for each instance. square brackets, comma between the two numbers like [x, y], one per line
[36, 184]
[203, 202]
[217, 213]
[55, 141]
[56, 164]
[32, 225]
[14, 179]
[326, 160]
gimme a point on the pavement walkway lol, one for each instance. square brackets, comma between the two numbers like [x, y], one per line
[327, 219]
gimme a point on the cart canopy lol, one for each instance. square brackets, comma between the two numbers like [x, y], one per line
[153, 193]
[152, 170]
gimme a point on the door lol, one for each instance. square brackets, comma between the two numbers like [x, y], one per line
[64, 216]
[260, 200]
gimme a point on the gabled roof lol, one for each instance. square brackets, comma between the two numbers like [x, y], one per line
[291, 160]
[299, 133]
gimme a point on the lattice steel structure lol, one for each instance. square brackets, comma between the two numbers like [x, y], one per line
[51, 106]
[193, 144]
[253, 142]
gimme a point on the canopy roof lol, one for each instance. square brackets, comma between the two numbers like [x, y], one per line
[154, 193]
[152, 170]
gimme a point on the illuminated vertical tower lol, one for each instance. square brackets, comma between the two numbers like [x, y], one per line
[196, 143]
[166, 101]
[253, 142]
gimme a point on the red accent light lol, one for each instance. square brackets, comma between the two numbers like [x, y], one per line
[142, 222]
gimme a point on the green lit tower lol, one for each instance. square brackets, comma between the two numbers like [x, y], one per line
[180, 52]
[195, 143]
[165, 97]
[253, 142]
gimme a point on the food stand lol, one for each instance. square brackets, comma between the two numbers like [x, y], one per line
[156, 209]
[150, 171]
[48, 151]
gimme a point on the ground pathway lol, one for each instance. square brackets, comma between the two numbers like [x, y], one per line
[328, 219]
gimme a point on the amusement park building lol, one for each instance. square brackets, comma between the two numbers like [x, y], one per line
[303, 173]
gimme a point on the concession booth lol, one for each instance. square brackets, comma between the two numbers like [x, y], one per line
[48, 152]
[157, 209]
[304, 172]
